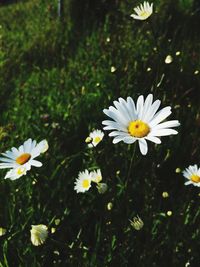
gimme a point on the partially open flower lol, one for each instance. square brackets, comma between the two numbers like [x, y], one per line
[39, 234]
[137, 223]
[143, 12]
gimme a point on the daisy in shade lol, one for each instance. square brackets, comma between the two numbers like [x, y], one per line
[140, 122]
[142, 12]
[83, 182]
[192, 173]
[21, 159]
[39, 234]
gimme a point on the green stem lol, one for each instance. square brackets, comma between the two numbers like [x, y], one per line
[130, 166]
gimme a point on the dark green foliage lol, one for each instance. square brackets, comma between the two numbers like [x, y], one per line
[55, 80]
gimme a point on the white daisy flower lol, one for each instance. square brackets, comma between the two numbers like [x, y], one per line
[83, 182]
[96, 176]
[143, 11]
[96, 137]
[24, 156]
[192, 173]
[16, 173]
[39, 234]
[140, 122]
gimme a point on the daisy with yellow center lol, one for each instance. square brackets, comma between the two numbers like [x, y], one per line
[83, 182]
[192, 173]
[95, 138]
[143, 12]
[39, 234]
[139, 122]
[20, 160]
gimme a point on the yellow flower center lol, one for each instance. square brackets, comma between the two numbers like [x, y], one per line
[195, 178]
[23, 158]
[138, 128]
[20, 171]
[86, 183]
[97, 139]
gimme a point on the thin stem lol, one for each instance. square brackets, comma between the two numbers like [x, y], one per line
[130, 166]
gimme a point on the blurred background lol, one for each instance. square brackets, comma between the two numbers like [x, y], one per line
[61, 64]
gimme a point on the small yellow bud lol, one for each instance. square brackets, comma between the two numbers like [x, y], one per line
[165, 194]
[178, 170]
[88, 139]
[168, 59]
[109, 206]
[169, 213]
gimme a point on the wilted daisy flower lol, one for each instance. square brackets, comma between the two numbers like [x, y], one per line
[95, 138]
[137, 223]
[83, 182]
[102, 188]
[192, 173]
[143, 11]
[16, 173]
[39, 234]
[24, 157]
[140, 122]
[96, 176]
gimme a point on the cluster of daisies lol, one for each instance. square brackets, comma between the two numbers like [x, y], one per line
[86, 178]
[129, 122]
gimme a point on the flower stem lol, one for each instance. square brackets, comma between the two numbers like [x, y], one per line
[130, 166]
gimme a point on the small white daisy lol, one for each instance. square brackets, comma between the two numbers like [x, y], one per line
[95, 138]
[24, 156]
[96, 176]
[39, 234]
[140, 122]
[16, 173]
[83, 182]
[143, 11]
[192, 173]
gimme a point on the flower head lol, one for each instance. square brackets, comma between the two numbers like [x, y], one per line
[96, 176]
[16, 173]
[39, 234]
[137, 223]
[140, 122]
[102, 188]
[192, 173]
[23, 158]
[83, 182]
[95, 138]
[143, 11]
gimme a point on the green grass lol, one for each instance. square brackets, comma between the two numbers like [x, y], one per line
[55, 80]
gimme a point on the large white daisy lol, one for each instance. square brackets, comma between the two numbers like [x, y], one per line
[142, 12]
[140, 122]
[83, 182]
[24, 156]
[192, 173]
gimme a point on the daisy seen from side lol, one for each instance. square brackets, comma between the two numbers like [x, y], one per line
[20, 160]
[143, 11]
[39, 234]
